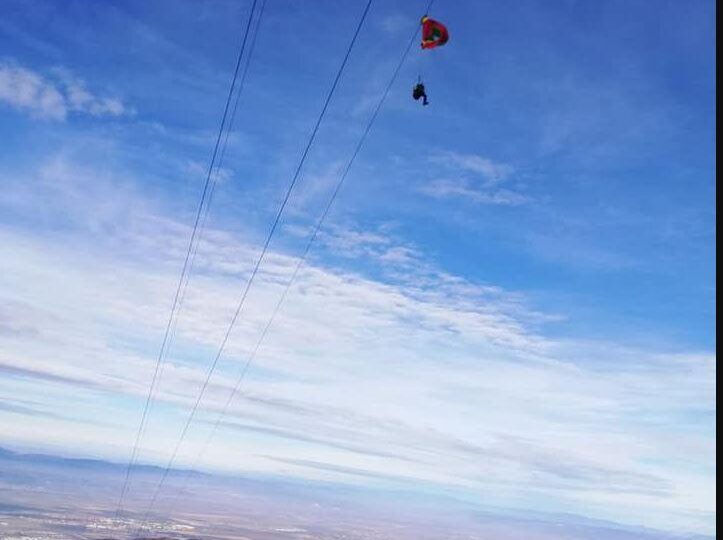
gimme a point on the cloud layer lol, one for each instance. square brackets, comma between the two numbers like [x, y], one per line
[424, 378]
[53, 96]
[510, 304]
[474, 178]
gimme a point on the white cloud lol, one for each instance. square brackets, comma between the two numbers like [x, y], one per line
[493, 172]
[428, 376]
[461, 188]
[28, 91]
[54, 96]
[474, 178]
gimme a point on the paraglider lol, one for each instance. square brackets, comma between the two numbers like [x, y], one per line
[434, 33]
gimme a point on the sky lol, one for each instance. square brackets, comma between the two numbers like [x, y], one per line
[512, 300]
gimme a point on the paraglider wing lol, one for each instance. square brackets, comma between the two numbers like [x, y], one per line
[434, 33]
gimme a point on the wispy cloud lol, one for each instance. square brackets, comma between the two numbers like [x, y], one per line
[380, 245]
[18, 407]
[465, 189]
[345, 470]
[53, 96]
[398, 356]
[491, 171]
[294, 435]
[474, 178]
[508, 407]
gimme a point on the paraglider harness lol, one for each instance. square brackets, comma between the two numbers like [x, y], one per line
[419, 92]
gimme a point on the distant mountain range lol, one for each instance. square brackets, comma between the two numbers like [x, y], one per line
[98, 465]
[99, 480]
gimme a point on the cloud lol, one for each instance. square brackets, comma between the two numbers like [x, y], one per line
[475, 178]
[461, 188]
[28, 91]
[425, 375]
[20, 408]
[297, 436]
[492, 172]
[353, 471]
[55, 96]
[46, 374]
[380, 245]
[200, 170]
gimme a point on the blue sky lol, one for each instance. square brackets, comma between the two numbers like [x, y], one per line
[519, 277]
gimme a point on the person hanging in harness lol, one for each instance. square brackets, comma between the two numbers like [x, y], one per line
[434, 34]
[419, 92]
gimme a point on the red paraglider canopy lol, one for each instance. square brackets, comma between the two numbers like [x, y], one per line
[434, 33]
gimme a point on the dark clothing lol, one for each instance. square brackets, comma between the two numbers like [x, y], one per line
[419, 92]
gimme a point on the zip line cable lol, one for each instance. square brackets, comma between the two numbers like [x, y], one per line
[258, 261]
[212, 188]
[238, 98]
[183, 277]
[299, 265]
[222, 154]
[209, 201]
